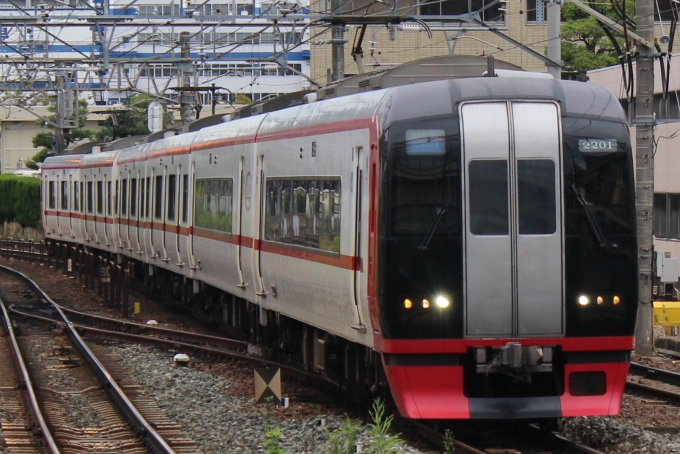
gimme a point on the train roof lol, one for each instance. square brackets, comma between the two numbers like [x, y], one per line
[63, 161]
[363, 105]
[431, 99]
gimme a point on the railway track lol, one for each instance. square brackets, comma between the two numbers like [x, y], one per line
[654, 381]
[82, 403]
[215, 348]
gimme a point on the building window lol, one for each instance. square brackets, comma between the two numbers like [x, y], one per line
[487, 9]
[666, 216]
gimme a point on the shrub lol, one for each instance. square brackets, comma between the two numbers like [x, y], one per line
[20, 200]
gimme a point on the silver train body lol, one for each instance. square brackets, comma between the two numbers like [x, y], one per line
[295, 215]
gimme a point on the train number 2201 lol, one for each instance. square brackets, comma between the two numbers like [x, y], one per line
[597, 145]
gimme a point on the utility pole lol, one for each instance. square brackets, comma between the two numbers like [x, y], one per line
[644, 172]
[185, 67]
[554, 38]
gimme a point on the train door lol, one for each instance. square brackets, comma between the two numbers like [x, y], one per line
[71, 202]
[239, 222]
[257, 231]
[356, 186]
[513, 235]
[61, 209]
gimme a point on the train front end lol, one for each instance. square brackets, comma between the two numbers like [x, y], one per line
[507, 254]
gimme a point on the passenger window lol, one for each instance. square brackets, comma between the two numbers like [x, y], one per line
[90, 197]
[158, 209]
[108, 190]
[147, 209]
[76, 196]
[213, 200]
[185, 198]
[304, 212]
[64, 195]
[100, 197]
[172, 196]
[51, 196]
[133, 197]
[123, 196]
[489, 197]
[142, 197]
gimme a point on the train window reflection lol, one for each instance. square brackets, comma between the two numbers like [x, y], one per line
[536, 197]
[304, 212]
[488, 197]
[213, 201]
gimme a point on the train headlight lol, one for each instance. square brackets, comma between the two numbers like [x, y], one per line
[616, 300]
[408, 304]
[600, 300]
[426, 303]
[442, 302]
[583, 300]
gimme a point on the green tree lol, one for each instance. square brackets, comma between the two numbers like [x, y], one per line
[46, 140]
[132, 121]
[585, 45]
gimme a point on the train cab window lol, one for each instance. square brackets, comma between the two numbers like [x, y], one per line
[536, 197]
[172, 196]
[51, 195]
[108, 198]
[76, 196]
[489, 197]
[90, 197]
[213, 200]
[123, 196]
[100, 197]
[133, 197]
[304, 212]
[158, 201]
[185, 198]
[64, 195]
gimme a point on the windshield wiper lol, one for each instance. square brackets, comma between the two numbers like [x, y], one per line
[433, 227]
[591, 220]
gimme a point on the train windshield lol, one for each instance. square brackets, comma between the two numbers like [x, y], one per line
[421, 228]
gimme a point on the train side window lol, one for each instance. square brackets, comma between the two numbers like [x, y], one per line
[488, 196]
[64, 195]
[133, 197]
[158, 208]
[90, 197]
[185, 198]
[213, 202]
[123, 196]
[536, 197]
[108, 198]
[115, 199]
[100, 197]
[51, 196]
[82, 196]
[76, 196]
[172, 196]
[147, 202]
[142, 197]
[304, 212]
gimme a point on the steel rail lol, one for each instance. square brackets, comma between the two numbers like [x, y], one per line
[28, 384]
[139, 423]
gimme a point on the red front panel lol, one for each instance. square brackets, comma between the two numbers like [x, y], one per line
[606, 404]
[428, 392]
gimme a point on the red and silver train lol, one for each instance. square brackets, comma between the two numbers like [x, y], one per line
[468, 244]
